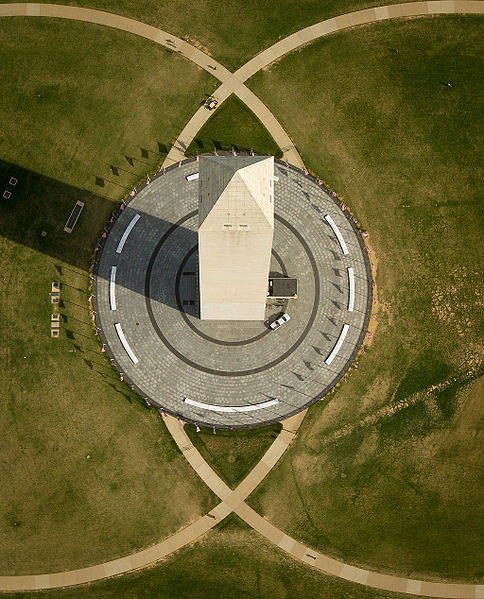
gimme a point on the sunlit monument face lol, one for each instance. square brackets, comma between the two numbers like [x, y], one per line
[235, 234]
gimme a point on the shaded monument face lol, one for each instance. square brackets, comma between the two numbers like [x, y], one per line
[235, 234]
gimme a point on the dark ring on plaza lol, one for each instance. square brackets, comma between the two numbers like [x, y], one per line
[231, 373]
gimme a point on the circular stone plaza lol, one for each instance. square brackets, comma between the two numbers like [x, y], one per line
[231, 373]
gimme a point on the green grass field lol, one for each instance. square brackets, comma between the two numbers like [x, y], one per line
[370, 480]
[234, 31]
[78, 98]
[61, 401]
[230, 561]
[395, 492]
[233, 454]
[70, 113]
[233, 125]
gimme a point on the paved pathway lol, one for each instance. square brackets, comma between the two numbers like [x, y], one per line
[229, 83]
[231, 500]
[234, 500]
[234, 82]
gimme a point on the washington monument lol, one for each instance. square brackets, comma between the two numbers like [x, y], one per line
[235, 233]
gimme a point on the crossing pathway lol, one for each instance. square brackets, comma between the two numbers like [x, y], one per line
[231, 500]
[325, 564]
[234, 500]
[234, 82]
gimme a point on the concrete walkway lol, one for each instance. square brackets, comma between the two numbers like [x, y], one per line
[234, 500]
[230, 84]
[231, 500]
[234, 82]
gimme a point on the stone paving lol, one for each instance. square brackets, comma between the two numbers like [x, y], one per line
[235, 500]
[237, 365]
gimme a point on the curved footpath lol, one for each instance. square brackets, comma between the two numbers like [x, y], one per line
[229, 83]
[231, 501]
[234, 82]
[234, 500]
[323, 563]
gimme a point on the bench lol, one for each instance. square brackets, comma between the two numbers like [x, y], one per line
[127, 231]
[231, 409]
[125, 343]
[112, 288]
[339, 343]
[74, 216]
[351, 283]
[337, 232]
[54, 325]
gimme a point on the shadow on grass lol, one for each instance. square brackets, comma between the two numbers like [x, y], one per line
[38, 208]
[37, 211]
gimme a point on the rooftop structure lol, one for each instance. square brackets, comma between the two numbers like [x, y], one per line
[282, 288]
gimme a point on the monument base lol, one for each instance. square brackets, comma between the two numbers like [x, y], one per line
[236, 311]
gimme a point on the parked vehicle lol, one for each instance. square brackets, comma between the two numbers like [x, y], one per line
[279, 322]
[211, 104]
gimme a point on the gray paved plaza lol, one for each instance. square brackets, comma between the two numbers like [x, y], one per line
[230, 374]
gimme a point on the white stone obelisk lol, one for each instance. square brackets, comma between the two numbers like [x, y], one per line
[236, 229]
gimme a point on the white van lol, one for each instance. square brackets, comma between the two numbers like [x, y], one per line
[279, 322]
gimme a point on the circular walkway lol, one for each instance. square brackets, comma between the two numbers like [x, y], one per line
[234, 501]
[231, 374]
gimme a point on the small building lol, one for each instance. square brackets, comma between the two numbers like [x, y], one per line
[282, 288]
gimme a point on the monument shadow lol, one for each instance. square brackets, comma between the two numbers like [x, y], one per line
[37, 209]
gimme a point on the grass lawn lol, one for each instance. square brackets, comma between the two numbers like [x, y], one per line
[233, 125]
[369, 479]
[72, 106]
[233, 454]
[78, 98]
[61, 401]
[231, 31]
[388, 472]
[231, 561]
